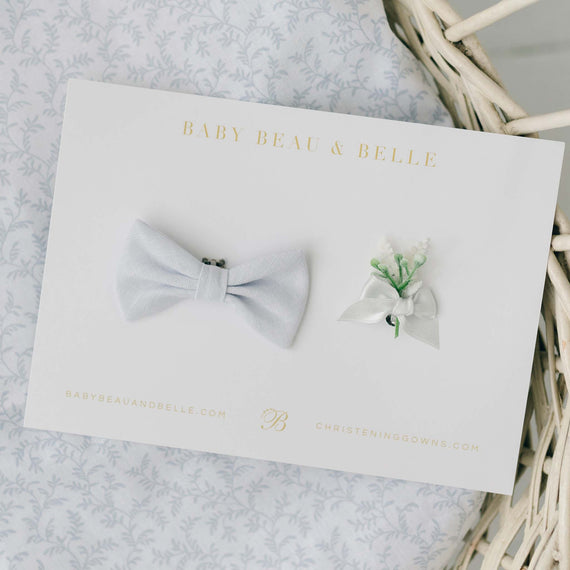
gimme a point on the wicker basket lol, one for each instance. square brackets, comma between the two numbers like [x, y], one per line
[532, 529]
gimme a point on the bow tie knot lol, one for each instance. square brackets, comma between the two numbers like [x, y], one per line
[417, 311]
[212, 283]
[270, 292]
[403, 307]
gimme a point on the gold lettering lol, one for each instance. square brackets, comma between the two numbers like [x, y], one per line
[379, 154]
[309, 144]
[430, 159]
[236, 133]
[336, 148]
[259, 139]
[278, 140]
[203, 129]
[188, 127]
[273, 419]
[410, 159]
[363, 151]
[394, 156]
[295, 143]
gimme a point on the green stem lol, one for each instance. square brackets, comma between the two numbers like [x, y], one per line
[407, 281]
[389, 277]
[397, 328]
[384, 274]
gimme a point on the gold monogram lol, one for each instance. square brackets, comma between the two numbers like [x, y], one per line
[274, 419]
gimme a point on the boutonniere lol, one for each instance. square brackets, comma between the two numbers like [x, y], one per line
[395, 294]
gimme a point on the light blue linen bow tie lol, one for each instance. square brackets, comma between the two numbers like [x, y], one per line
[270, 292]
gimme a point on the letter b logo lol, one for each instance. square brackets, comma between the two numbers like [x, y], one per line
[273, 419]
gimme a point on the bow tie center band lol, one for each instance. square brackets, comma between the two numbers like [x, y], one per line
[155, 273]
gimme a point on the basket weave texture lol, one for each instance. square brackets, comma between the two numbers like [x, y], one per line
[530, 530]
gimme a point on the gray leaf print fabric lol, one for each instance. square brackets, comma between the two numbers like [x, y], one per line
[72, 502]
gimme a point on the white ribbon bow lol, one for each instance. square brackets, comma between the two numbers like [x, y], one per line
[270, 292]
[416, 310]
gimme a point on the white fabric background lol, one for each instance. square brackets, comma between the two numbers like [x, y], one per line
[79, 503]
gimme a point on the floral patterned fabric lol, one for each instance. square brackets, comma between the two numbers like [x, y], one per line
[72, 502]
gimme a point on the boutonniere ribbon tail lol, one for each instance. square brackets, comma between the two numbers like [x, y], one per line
[393, 295]
[155, 273]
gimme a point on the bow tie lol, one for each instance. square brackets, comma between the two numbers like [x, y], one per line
[417, 311]
[270, 292]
